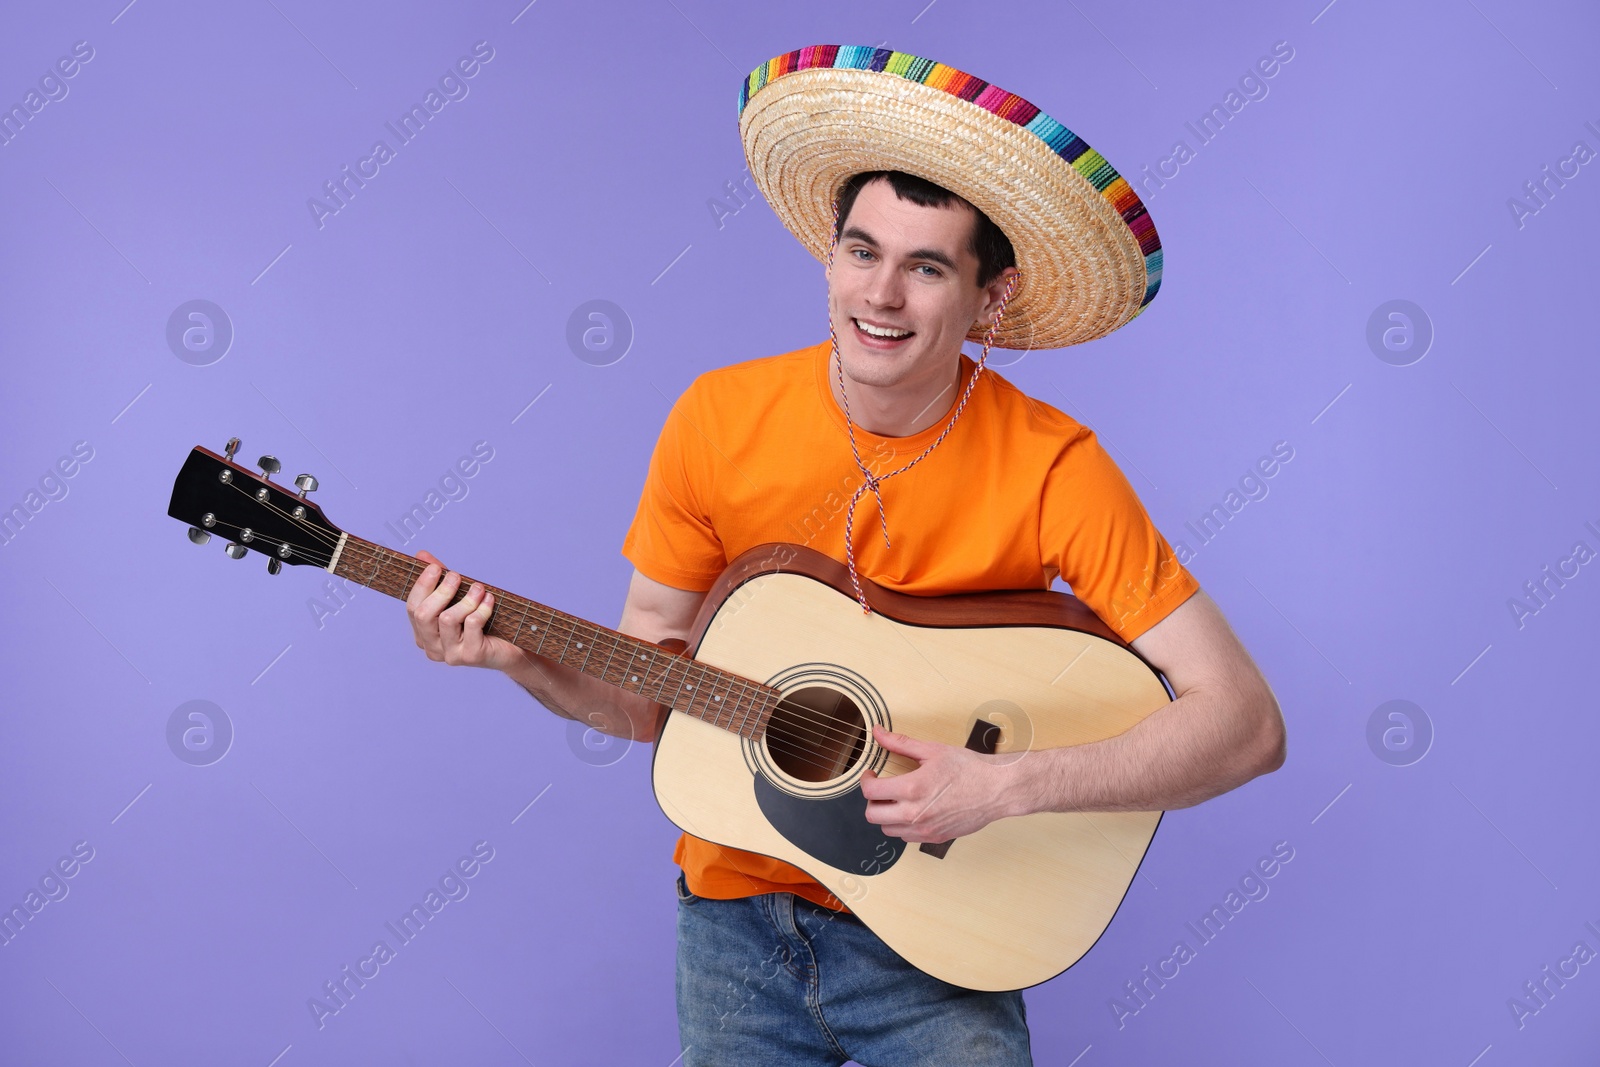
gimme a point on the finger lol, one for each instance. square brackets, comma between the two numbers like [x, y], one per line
[436, 601]
[457, 613]
[914, 747]
[426, 580]
[421, 607]
[451, 638]
[479, 617]
[872, 785]
[881, 790]
[439, 625]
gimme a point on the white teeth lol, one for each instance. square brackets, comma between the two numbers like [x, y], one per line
[880, 331]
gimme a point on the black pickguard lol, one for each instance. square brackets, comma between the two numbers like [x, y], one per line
[833, 829]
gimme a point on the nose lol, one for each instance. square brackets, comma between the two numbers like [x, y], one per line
[884, 288]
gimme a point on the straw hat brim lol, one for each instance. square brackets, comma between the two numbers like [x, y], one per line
[1088, 252]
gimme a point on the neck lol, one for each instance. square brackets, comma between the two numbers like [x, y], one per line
[715, 696]
[902, 409]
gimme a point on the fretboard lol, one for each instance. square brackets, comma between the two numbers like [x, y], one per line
[708, 693]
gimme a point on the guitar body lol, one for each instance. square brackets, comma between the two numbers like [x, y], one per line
[1007, 907]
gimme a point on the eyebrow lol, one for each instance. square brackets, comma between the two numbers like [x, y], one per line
[931, 254]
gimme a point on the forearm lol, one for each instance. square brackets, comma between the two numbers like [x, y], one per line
[574, 695]
[1199, 746]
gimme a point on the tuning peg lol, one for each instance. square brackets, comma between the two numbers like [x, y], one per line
[269, 465]
[236, 551]
[231, 447]
[198, 536]
[274, 566]
[306, 483]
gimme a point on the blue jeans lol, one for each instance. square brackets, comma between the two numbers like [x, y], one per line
[774, 979]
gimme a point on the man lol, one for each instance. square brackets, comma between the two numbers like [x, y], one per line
[975, 485]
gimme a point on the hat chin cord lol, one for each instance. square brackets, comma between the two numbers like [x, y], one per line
[872, 481]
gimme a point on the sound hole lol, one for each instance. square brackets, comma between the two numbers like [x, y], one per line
[815, 734]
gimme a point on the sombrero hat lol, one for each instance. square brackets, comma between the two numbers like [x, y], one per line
[1089, 254]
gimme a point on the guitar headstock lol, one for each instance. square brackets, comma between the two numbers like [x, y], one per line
[215, 495]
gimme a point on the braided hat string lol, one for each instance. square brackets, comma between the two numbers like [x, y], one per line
[872, 481]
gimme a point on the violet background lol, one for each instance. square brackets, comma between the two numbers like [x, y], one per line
[431, 310]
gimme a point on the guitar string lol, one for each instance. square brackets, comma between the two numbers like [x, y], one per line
[272, 506]
[828, 730]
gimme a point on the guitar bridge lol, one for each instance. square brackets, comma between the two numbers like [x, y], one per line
[985, 738]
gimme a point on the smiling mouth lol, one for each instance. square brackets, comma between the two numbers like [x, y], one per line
[884, 338]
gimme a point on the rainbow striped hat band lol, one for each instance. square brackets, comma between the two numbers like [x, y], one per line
[1088, 251]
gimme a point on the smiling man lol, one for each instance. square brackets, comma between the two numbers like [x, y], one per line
[1008, 230]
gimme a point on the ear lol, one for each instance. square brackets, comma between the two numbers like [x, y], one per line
[993, 293]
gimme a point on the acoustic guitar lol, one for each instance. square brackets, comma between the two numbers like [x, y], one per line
[768, 715]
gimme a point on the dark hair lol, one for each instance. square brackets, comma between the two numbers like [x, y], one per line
[987, 241]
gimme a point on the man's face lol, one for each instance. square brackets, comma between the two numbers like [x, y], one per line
[899, 267]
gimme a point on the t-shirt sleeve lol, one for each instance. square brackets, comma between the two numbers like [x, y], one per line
[671, 539]
[1097, 535]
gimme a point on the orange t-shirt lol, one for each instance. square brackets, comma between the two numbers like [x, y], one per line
[1017, 494]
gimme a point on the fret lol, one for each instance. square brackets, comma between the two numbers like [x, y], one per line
[523, 621]
[661, 669]
[647, 659]
[720, 700]
[633, 669]
[635, 674]
[587, 652]
[394, 577]
[730, 698]
[690, 687]
[371, 566]
[714, 701]
[376, 566]
[747, 704]
[760, 698]
[751, 715]
[666, 676]
[682, 695]
[380, 575]
[605, 671]
[544, 633]
[744, 718]
[624, 645]
[679, 685]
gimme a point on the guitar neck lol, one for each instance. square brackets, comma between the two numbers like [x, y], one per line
[723, 699]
